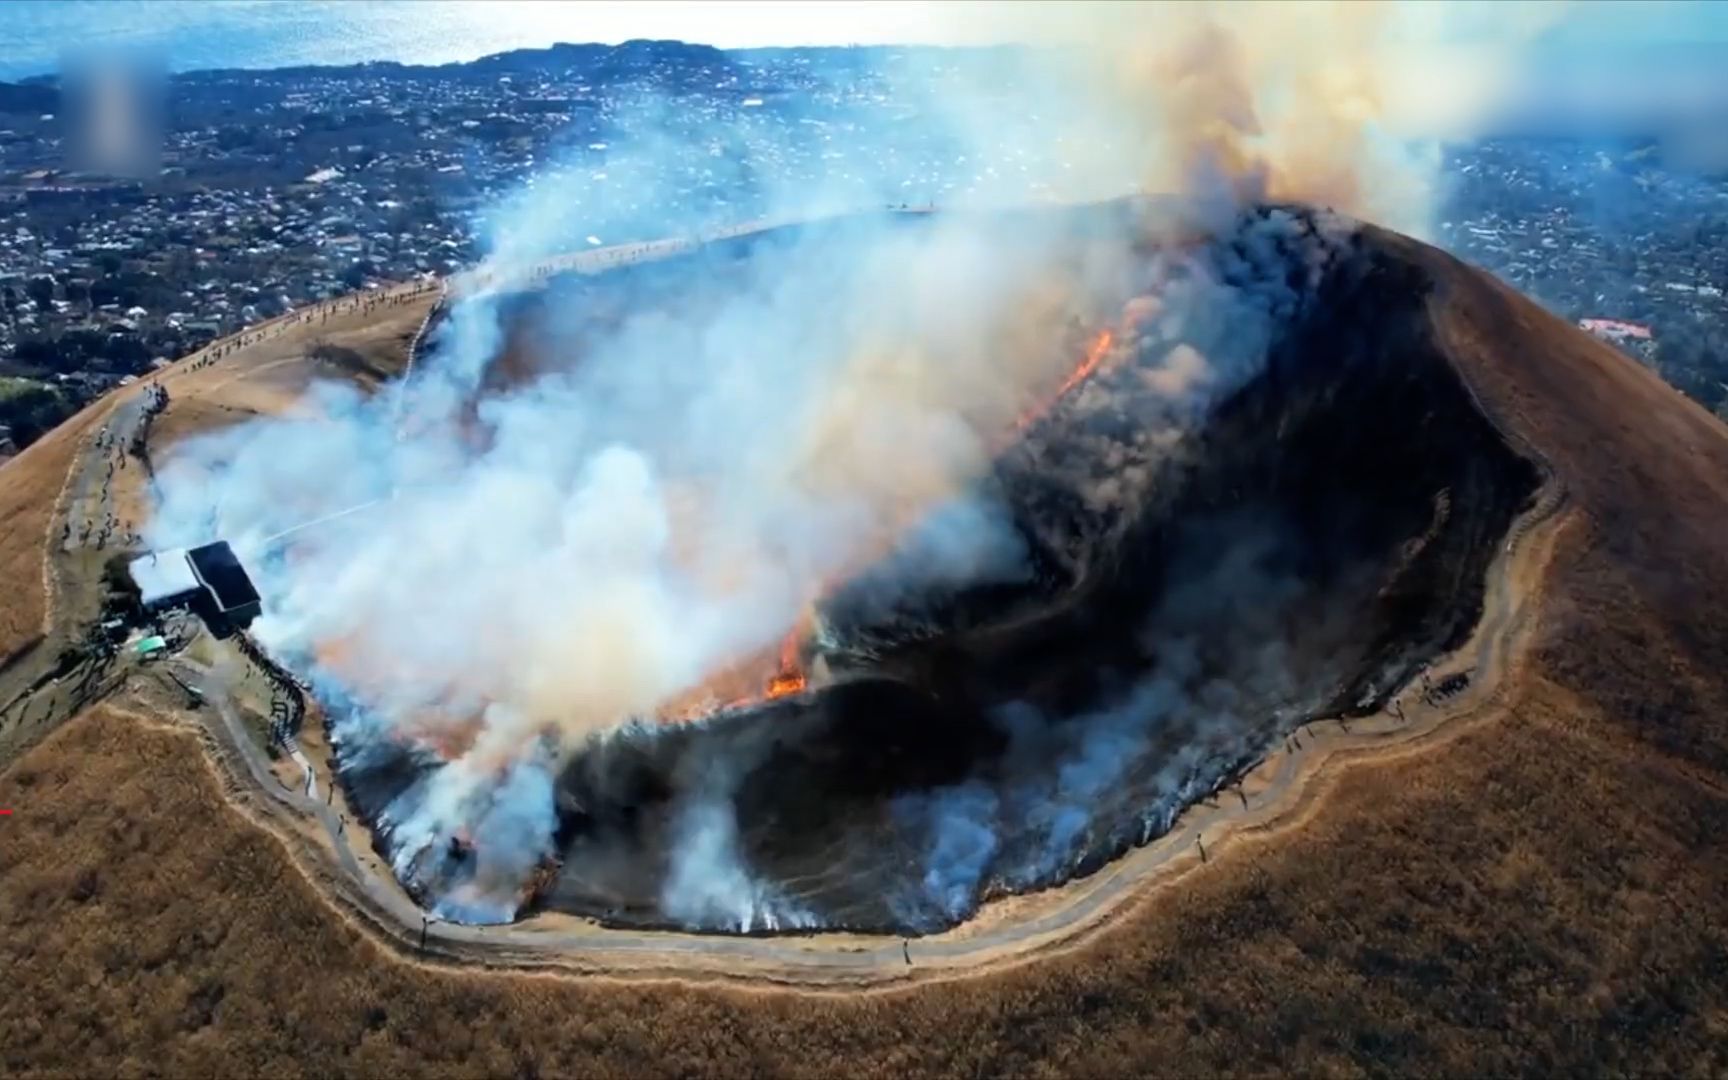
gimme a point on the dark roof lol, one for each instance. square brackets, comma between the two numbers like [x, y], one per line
[219, 568]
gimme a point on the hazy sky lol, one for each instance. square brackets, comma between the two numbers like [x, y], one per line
[953, 21]
[36, 34]
[840, 22]
[753, 22]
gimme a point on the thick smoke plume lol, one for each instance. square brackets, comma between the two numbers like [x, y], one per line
[584, 539]
[1340, 104]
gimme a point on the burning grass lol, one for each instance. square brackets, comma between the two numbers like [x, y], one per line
[1095, 353]
[1206, 555]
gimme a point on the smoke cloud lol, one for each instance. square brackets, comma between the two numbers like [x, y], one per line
[583, 522]
[1339, 104]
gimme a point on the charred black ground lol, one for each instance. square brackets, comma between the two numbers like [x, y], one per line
[1297, 550]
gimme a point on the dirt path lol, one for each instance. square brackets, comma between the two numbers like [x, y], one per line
[89, 506]
[400, 397]
[86, 523]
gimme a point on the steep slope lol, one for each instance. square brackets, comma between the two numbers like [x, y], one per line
[1649, 470]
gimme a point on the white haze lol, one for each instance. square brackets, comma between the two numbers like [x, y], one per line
[630, 525]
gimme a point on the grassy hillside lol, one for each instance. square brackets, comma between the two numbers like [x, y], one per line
[29, 485]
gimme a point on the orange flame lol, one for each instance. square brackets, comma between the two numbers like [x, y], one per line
[1088, 364]
[1094, 356]
[764, 676]
[790, 678]
[731, 688]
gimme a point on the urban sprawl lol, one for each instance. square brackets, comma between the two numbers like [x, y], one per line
[271, 190]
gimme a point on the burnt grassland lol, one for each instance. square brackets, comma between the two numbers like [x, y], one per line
[1339, 512]
[1542, 893]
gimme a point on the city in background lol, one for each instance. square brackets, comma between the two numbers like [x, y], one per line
[257, 192]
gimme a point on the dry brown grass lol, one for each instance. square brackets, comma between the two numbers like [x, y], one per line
[1640, 614]
[271, 375]
[1541, 894]
[29, 485]
[1529, 898]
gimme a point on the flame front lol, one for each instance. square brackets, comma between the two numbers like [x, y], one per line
[1094, 356]
[732, 687]
[790, 678]
[761, 677]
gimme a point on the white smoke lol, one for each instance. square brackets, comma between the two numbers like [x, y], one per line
[563, 551]
[708, 886]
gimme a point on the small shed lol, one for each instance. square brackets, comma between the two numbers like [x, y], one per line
[236, 599]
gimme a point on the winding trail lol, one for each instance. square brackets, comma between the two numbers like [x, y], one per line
[1275, 794]
[298, 757]
[84, 516]
[401, 398]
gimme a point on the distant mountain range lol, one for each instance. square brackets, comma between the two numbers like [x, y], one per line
[1671, 91]
[565, 56]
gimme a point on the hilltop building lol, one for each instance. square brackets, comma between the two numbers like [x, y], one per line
[209, 580]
